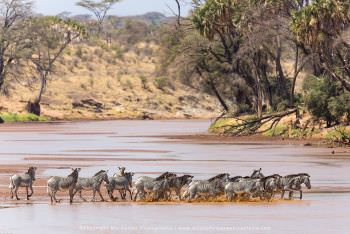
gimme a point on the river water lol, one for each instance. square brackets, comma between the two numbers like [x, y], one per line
[145, 148]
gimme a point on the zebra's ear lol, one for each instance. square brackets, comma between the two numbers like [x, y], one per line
[78, 169]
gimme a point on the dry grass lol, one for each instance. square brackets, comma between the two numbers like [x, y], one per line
[100, 74]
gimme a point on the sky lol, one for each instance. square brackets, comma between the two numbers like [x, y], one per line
[124, 8]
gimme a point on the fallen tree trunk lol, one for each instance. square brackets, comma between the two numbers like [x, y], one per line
[254, 126]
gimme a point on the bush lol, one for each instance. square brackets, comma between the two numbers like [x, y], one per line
[13, 117]
[326, 99]
[79, 52]
[144, 82]
[161, 82]
[339, 135]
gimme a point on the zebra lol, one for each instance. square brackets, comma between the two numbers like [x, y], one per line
[293, 183]
[141, 181]
[120, 183]
[157, 188]
[271, 185]
[243, 186]
[93, 184]
[55, 184]
[207, 188]
[26, 180]
[257, 174]
[177, 183]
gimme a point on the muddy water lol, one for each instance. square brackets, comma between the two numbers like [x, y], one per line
[142, 146]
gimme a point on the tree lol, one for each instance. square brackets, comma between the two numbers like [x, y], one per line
[99, 9]
[319, 28]
[49, 36]
[13, 42]
[326, 100]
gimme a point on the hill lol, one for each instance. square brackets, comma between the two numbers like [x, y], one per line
[100, 80]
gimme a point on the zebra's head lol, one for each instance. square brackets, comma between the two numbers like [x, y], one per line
[104, 177]
[257, 174]
[31, 172]
[186, 179]
[128, 176]
[305, 179]
[75, 173]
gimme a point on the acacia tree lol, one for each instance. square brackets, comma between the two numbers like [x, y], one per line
[13, 43]
[99, 9]
[49, 37]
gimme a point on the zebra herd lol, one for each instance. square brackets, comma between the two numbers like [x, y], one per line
[161, 188]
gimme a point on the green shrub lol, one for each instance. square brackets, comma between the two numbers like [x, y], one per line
[161, 82]
[144, 82]
[326, 99]
[13, 117]
[339, 135]
[279, 130]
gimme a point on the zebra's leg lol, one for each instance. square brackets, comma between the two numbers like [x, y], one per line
[272, 196]
[93, 195]
[31, 190]
[11, 191]
[53, 194]
[291, 193]
[99, 193]
[80, 195]
[282, 194]
[27, 193]
[229, 196]
[71, 195]
[122, 193]
[110, 193]
[128, 189]
[178, 193]
[137, 193]
[301, 194]
[16, 189]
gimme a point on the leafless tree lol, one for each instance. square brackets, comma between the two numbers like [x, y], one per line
[13, 42]
[49, 37]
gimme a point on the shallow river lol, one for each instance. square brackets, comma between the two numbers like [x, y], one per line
[144, 148]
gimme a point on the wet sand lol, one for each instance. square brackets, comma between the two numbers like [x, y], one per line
[152, 147]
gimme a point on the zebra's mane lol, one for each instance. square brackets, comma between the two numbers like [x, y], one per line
[164, 175]
[235, 178]
[268, 177]
[295, 175]
[100, 172]
[304, 174]
[184, 178]
[220, 176]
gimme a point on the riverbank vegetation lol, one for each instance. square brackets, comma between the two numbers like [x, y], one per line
[69, 67]
[264, 67]
[276, 67]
